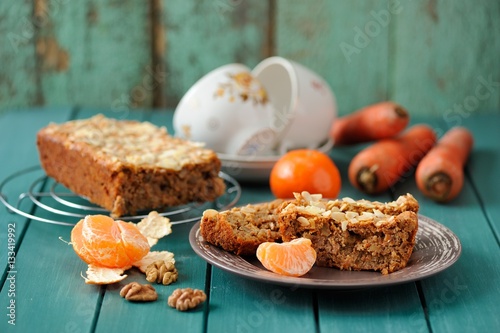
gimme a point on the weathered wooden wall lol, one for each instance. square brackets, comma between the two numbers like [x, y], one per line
[434, 56]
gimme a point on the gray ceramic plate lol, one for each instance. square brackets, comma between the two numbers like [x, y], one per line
[436, 249]
[256, 168]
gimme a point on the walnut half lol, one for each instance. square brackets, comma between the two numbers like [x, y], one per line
[139, 292]
[187, 298]
[162, 272]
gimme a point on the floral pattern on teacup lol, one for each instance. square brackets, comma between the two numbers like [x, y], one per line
[318, 86]
[244, 86]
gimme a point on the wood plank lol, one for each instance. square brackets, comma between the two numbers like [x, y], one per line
[18, 79]
[345, 42]
[60, 50]
[445, 51]
[23, 286]
[201, 36]
[389, 309]
[484, 163]
[107, 49]
[242, 305]
[455, 298]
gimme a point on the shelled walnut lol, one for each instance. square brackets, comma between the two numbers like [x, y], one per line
[139, 292]
[187, 298]
[162, 272]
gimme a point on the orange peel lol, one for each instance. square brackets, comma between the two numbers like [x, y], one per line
[103, 275]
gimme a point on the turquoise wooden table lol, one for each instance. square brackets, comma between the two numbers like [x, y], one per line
[42, 290]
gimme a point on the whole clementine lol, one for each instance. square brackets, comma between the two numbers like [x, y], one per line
[305, 170]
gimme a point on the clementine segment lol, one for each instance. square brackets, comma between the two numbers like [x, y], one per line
[77, 242]
[133, 241]
[305, 170]
[294, 258]
[102, 241]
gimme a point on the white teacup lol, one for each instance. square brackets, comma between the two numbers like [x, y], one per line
[304, 102]
[228, 110]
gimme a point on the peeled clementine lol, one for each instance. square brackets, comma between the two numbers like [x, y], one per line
[99, 240]
[294, 258]
[305, 170]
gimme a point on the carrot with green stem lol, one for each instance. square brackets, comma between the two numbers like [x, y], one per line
[440, 174]
[379, 166]
[374, 122]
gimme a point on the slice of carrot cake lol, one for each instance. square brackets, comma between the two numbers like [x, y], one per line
[353, 235]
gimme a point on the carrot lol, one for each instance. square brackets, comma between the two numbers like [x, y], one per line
[379, 166]
[374, 122]
[440, 174]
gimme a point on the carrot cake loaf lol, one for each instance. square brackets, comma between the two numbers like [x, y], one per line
[127, 166]
[353, 235]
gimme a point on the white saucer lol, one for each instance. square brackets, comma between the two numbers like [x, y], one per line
[255, 168]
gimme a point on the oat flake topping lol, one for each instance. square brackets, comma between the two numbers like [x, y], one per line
[132, 142]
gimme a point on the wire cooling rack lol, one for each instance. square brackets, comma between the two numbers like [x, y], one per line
[54, 203]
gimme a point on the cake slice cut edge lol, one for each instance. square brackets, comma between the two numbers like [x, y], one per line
[241, 230]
